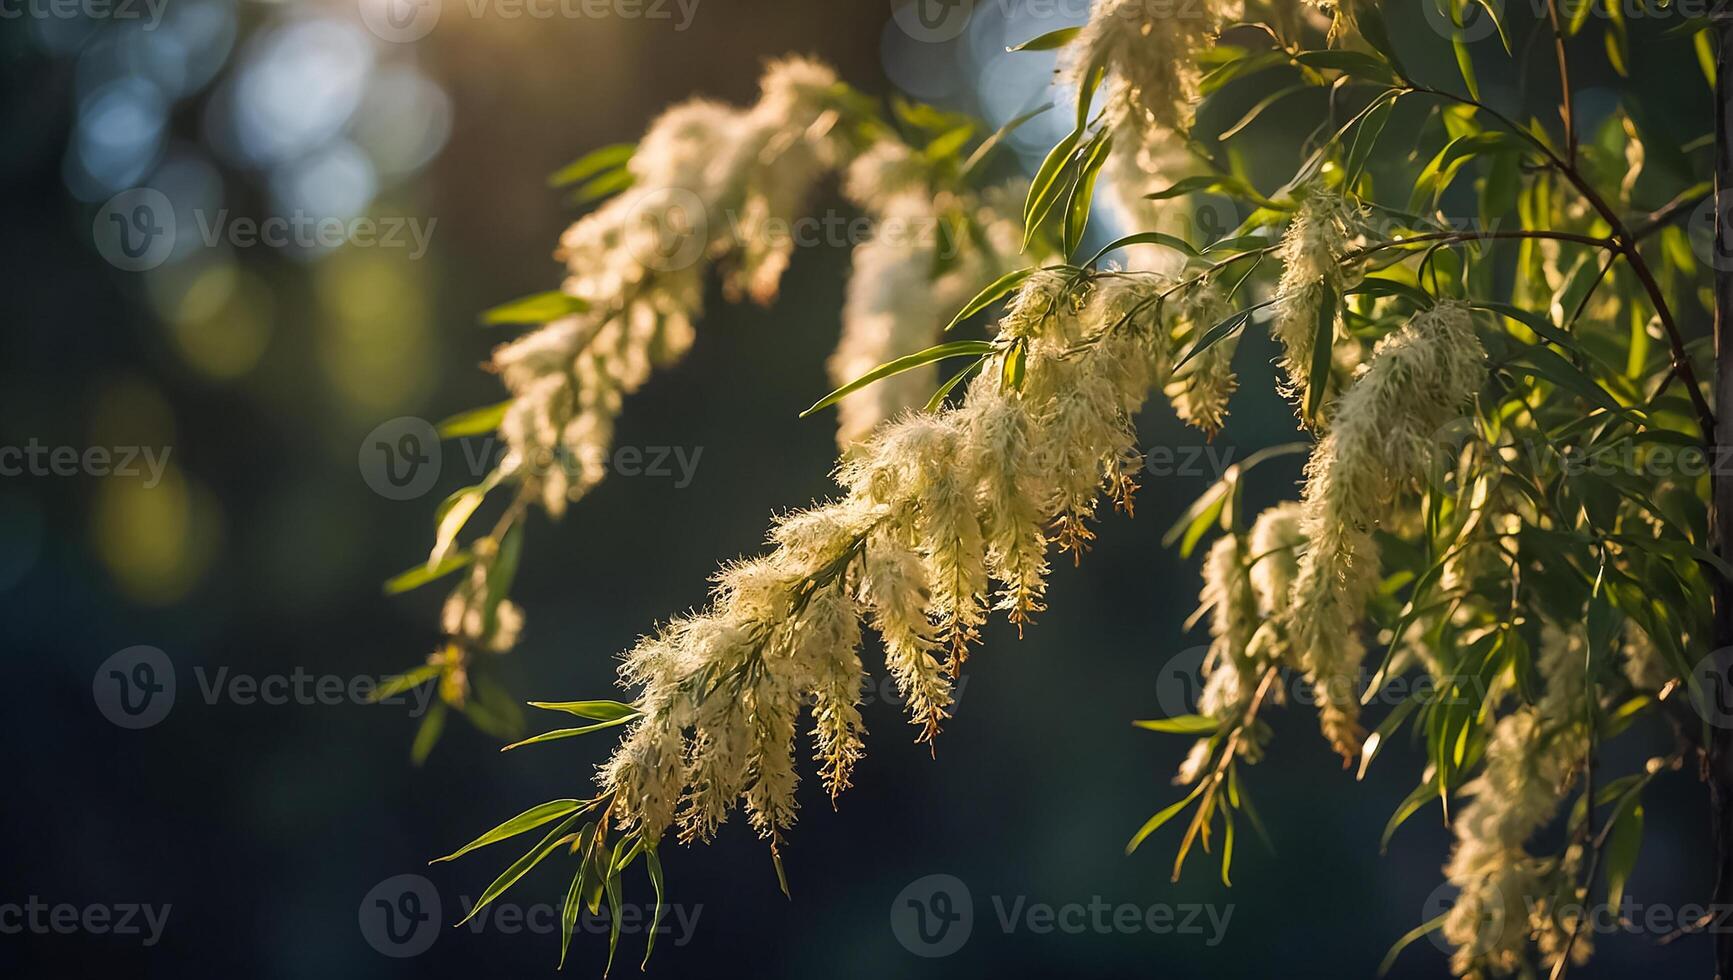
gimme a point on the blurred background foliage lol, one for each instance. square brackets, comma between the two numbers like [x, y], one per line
[262, 548]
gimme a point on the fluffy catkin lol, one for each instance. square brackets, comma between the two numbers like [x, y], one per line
[1380, 441]
[939, 509]
[710, 185]
[1149, 52]
[1229, 670]
[1312, 272]
[1533, 754]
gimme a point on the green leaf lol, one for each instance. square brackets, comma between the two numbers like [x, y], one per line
[593, 163]
[1380, 287]
[1354, 63]
[475, 422]
[1146, 238]
[1181, 725]
[1422, 794]
[1049, 40]
[1162, 816]
[611, 182]
[955, 348]
[1366, 136]
[1188, 185]
[1192, 524]
[524, 822]
[1045, 188]
[612, 884]
[1408, 937]
[501, 574]
[1541, 325]
[1258, 108]
[560, 733]
[522, 865]
[538, 308]
[1622, 848]
[1083, 191]
[1092, 77]
[453, 513]
[992, 142]
[654, 864]
[1492, 9]
[427, 734]
[408, 680]
[1542, 362]
[1465, 64]
[574, 899]
[594, 710]
[1239, 68]
[1323, 349]
[947, 144]
[421, 574]
[1219, 332]
[1012, 375]
[944, 390]
[996, 290]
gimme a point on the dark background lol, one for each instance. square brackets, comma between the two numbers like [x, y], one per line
[265, 826]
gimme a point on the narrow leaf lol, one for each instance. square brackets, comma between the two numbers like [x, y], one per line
[526, 821]
[955, 348]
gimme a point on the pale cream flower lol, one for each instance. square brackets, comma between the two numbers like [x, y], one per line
[1380, 441]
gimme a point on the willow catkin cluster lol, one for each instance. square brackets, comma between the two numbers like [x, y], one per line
[1148, 93]
[1313, 272]
[1246, 583]
[1201, 389]
[895, 304]
[1149, 51]
[710, 184]
[1531, 758]
[942, 515]
[1381, 439]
